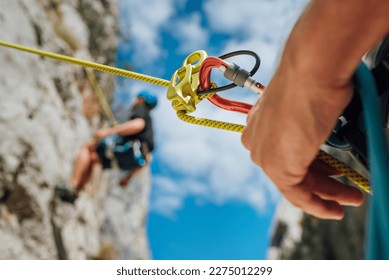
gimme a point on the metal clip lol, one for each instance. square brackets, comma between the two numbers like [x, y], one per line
[184, 83]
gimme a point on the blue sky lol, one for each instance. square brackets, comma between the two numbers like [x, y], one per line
[208, 200]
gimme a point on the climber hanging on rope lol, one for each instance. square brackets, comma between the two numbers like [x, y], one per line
[126, 146]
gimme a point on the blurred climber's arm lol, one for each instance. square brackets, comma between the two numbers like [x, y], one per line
[130, 127]
[308, 92]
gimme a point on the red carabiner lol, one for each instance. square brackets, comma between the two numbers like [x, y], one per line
[205, 83]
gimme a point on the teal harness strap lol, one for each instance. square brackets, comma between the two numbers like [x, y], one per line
[377, 242]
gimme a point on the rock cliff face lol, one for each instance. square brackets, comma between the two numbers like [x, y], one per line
[299, 236]
[47, 110]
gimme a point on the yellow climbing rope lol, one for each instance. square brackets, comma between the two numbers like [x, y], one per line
[100, 96]
[346, 171]
[93, 65]
[182, 92]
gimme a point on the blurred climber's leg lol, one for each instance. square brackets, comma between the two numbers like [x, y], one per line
[124, 180]
[81, 173]
[83, 165]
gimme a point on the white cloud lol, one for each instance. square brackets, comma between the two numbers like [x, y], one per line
[167, 205]
[190, 33]
[250, 18]
[168, 197]
[260, 26]
[143, 27]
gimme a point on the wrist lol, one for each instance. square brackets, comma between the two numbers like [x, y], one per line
[321, 70]
[328, 43]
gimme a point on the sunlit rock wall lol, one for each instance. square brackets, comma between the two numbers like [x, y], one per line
[47, 110]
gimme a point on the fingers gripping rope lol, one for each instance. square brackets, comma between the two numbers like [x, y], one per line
[346, 171]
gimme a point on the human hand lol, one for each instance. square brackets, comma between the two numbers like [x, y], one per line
[284, 133]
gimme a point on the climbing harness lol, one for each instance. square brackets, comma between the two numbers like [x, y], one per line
[116, 151]
[191, 84]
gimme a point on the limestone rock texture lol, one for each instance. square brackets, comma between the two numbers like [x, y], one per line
[47, 110]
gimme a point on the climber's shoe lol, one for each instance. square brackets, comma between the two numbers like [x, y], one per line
[66, 193]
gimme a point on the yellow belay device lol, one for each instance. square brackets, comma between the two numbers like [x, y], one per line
[183, 92]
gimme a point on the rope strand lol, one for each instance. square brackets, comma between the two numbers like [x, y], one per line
[93, 65]
[100, 96]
